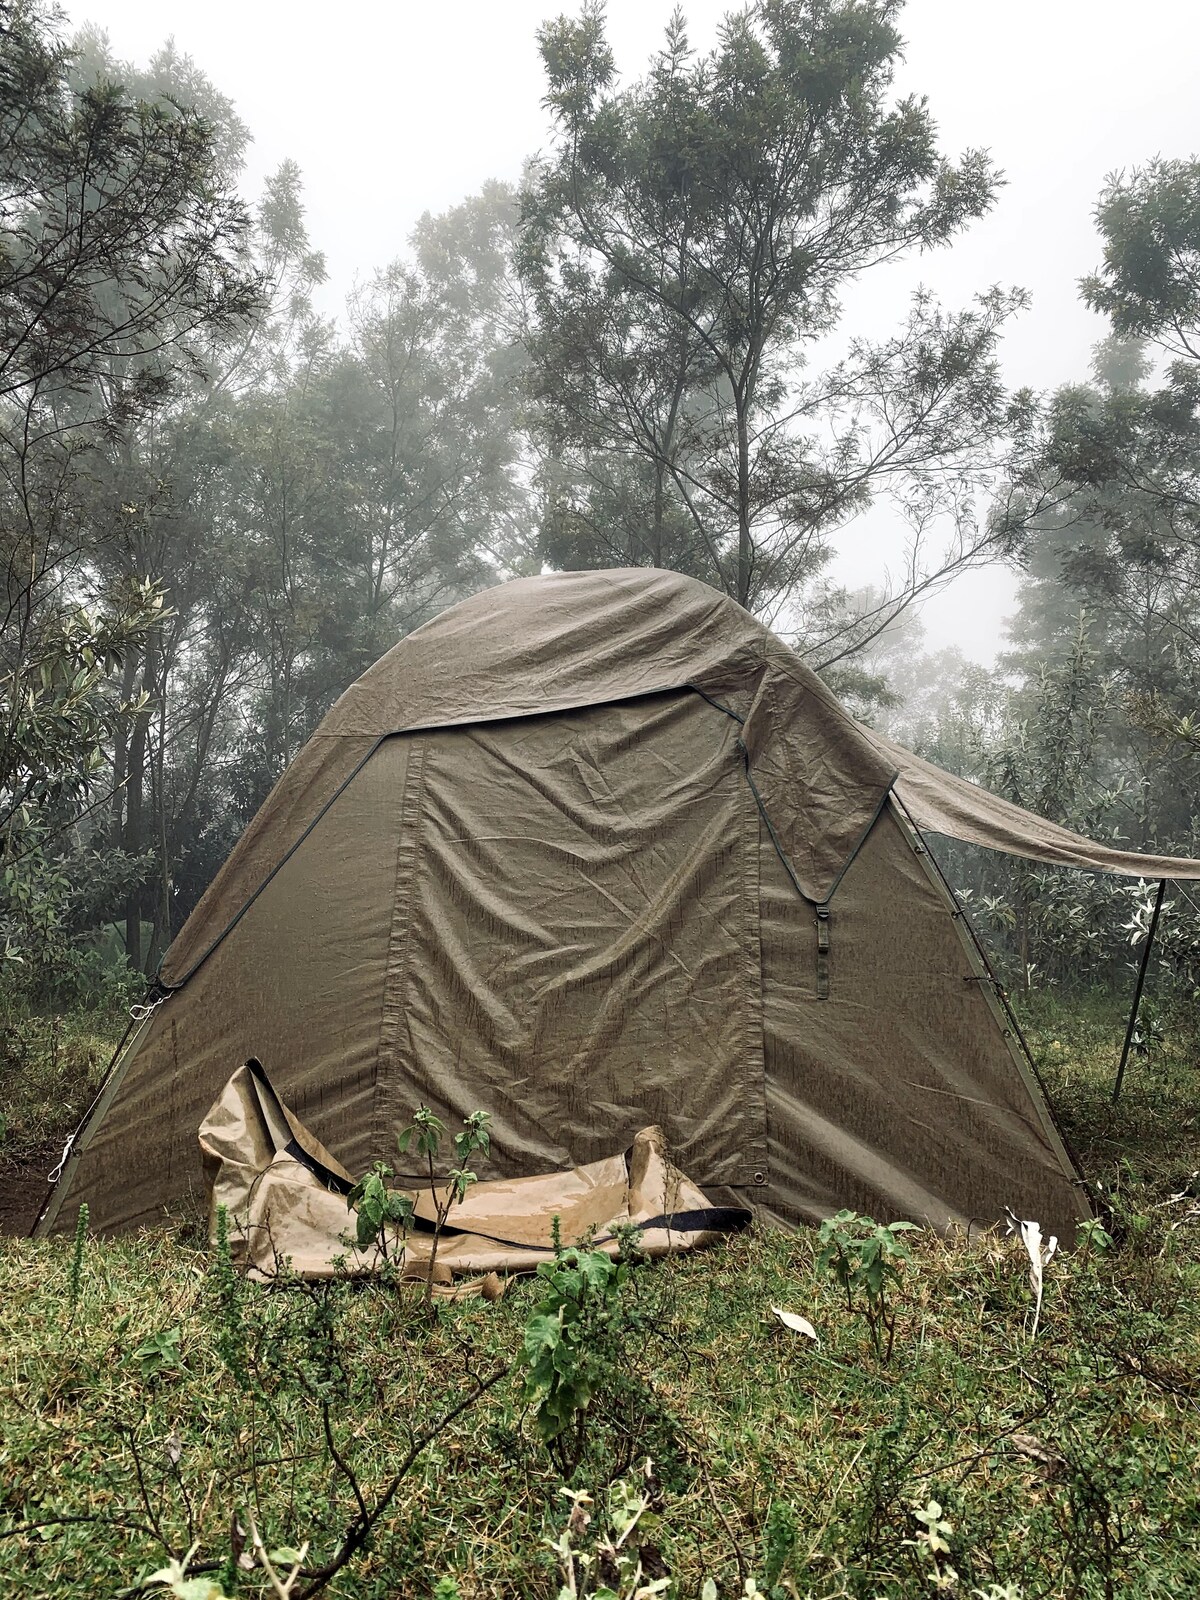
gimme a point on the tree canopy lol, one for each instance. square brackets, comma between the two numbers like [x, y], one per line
[687, 245]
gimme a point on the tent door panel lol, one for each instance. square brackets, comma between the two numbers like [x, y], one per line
[577, 939]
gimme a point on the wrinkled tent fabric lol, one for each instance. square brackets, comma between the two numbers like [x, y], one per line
[938, 802]
[285, 1198]
[590, 852]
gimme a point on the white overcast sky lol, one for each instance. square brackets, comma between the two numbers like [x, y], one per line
[396, 107]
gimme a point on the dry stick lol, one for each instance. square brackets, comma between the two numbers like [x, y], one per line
[62, 1522]
[440, 1216]
[155, 1523]
[340, 1462]
[282, 1587]
[832, 1501]
[721, 1517]
[360, 1530]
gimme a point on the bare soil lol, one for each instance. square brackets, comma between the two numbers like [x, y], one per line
[23, 1188]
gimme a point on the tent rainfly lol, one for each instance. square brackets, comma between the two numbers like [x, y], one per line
[593, 851]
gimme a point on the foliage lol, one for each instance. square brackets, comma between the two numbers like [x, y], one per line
[75, 1279]
[216, 509]
[686, 242]
[933, 1532]
[780, 1538]
[616, 1567]
[1058, 741]
[59, 709]
[50, 1067]
[124, 261]
[231, 1330]
[1149, 285]
[567, 1345]
[864, 1258]
[384, 1217]
[107, 281]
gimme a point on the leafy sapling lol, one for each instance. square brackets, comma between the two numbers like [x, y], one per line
[864, 1257]
[1092, 1237]
[779, 1547]
[567, 1346]
[424, 1135]
[613, 1568]
[932, 1542]
[231, 1330]
[383, 1216]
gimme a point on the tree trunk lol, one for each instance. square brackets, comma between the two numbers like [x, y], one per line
[745, 545]
[659, 498]
[121, 753]
[133, 840]
[161, 936]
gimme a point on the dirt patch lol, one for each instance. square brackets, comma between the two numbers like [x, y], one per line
[23, 1188]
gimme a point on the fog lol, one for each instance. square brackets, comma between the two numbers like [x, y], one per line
[395, 109]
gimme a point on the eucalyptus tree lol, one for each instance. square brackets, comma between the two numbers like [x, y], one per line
[1107, 508]
[124, 256]
[688, 244]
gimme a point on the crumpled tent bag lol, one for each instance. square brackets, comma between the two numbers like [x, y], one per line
[285, 1196]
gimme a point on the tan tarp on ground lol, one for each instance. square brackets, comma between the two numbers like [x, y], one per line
[558, 855]
[285, 1196]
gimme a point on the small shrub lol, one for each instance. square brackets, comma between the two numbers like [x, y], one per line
[384, 1217]
[567, 1346]
[608, 1562]
[231, 1333]
[779, 1546]
[586, 1357]
[50, 1068]
[75, 1280]
[863, 1256]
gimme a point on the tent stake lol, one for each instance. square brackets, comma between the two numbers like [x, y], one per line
[1137, 993]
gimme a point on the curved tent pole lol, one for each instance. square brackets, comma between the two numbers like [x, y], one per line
[1139, 986]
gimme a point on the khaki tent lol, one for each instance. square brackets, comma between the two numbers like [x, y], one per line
[590, 852]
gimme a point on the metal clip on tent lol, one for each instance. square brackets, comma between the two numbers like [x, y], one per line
[1137, 993]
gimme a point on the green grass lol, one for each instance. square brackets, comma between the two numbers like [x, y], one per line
[50, 1068]
[1065, 1466]
[1151, 1137]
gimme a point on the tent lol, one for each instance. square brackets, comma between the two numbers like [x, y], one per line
[593, 851]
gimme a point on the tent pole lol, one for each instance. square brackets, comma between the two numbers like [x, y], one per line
[1137, 993]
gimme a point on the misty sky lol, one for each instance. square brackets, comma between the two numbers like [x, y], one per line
[392, 109]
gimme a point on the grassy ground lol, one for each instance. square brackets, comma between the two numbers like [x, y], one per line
[1063, 1465]
[50, 1067]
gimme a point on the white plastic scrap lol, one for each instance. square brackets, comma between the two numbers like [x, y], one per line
[1030, 1234]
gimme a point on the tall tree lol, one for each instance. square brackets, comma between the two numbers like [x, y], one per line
[686, 247]
[122, 256]
[1107, 508]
